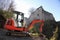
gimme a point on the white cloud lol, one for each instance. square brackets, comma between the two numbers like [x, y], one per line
[22, 7]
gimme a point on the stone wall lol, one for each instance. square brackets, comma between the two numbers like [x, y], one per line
[40, 14]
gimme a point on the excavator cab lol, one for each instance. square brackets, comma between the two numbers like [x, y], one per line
[14, 25]
[19, 18]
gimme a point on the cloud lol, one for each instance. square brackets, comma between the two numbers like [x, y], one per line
[22, 7]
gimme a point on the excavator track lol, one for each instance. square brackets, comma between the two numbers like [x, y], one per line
[22, 34]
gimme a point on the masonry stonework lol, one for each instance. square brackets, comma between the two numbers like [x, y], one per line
[40, 14]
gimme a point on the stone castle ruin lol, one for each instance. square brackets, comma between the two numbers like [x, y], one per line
[41, 14]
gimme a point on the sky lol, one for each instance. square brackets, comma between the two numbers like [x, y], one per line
[52, 6]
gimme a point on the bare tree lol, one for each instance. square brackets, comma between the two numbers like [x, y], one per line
[6, 5]
[3, 4]
[32, 10]
[11, 6]
[6, 8]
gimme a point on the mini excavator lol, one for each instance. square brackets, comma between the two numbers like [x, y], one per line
[14, 26]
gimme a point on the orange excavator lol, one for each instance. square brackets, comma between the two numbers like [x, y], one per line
[14, 26]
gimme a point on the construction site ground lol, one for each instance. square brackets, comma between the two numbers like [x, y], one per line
[4, 37]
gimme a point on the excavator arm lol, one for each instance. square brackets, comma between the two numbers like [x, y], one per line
[34, 25]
